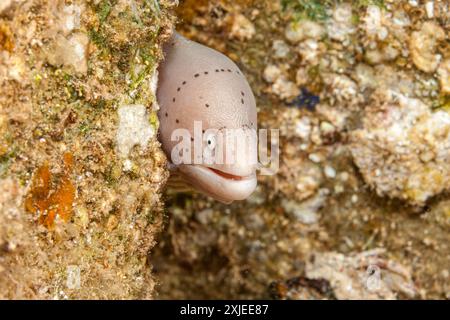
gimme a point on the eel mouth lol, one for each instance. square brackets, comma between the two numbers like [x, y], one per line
[229, 176]
[222, 186]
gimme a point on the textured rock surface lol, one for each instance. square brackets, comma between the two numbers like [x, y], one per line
[82, 228]
[364, 275]
[322, 78]
[423, 45]
[403, 150]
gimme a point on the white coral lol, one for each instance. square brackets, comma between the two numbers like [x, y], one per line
[373, 23]
[341, 25]
[444, 76]
[305, 29]
[285, 89]
[403, 151]
[310, 52]
[134, 128]
[242, 28]
[342, 87]
[422, 45]
[271, 73]
[70, 52]
[364, 275]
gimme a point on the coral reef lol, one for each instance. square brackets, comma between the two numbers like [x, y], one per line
[364, 275]
[360, 124]
[403, 149]
[77, 218]
[361, 276]
[358, 89]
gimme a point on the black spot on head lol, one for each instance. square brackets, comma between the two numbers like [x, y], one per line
[217, 70]
[196, 75]
[173, 99]
[166, 114]
[203, 131]
[242, 93]
[192, 139]
[178, 89]
[237, 71]
[242, 101]
[223, 70]
[228, 70]
[207, 105]
[177, 121]
[206, 72]
[184, 82]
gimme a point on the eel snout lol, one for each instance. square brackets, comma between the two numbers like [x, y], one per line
[220, 185]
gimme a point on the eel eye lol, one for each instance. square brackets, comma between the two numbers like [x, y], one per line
[211, 141]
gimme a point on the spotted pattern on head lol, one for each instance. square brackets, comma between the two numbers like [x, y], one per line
[197, 83]
[197, 76]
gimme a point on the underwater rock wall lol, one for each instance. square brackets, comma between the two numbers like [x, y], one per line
[78, 214]
[358, 90]
[404, 149]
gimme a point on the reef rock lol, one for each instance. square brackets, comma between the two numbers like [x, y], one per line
[444, 76]
[364, 275]
[423, 45]
[403, 149]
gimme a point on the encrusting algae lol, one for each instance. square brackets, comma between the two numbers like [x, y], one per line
[359, 168]
[51, 204]
[69, 68]
[66, 68]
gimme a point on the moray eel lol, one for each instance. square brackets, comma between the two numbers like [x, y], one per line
[197, 83]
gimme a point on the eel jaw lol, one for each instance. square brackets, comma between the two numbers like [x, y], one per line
[222, 186]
